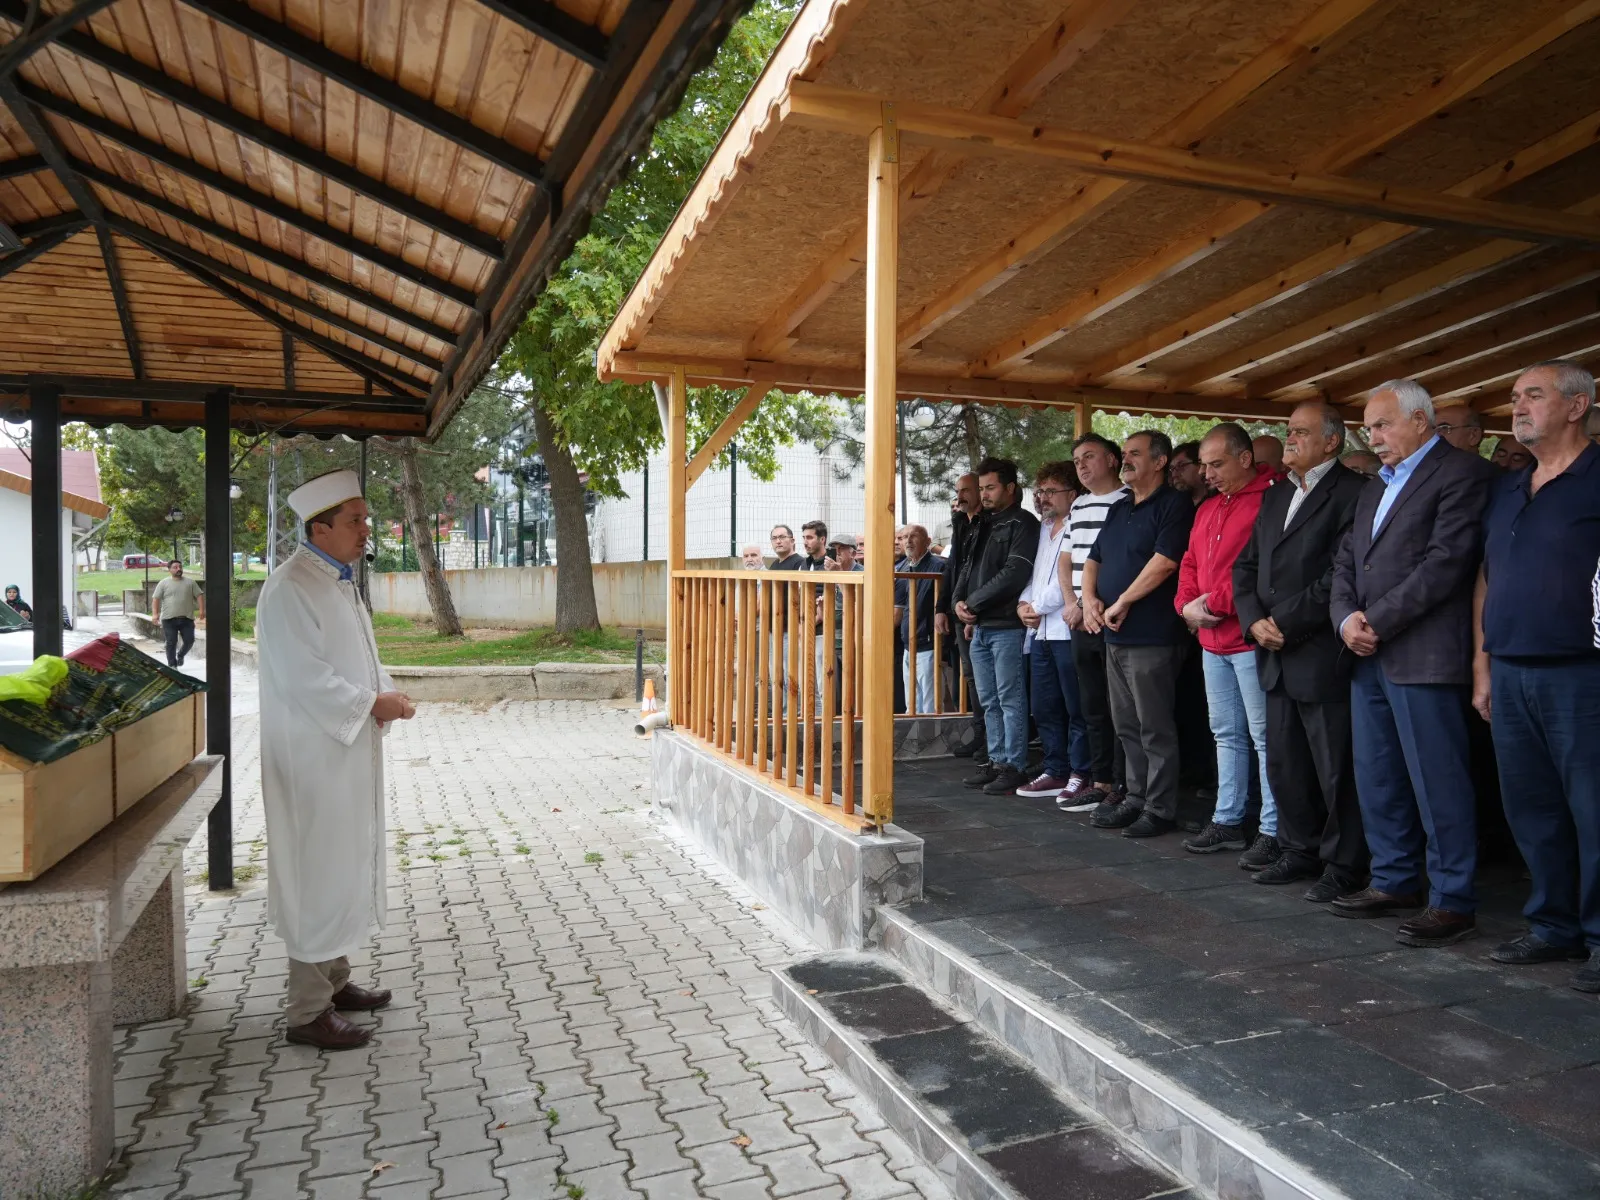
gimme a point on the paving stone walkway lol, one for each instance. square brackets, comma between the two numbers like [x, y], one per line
[582, 1006]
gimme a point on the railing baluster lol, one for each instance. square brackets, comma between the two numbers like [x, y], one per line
[791, 724]
[847, 715]
[830, 680]
[768, 638]
[938, 653]
[911, 645]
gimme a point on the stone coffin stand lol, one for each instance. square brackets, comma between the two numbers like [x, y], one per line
[97, 941]
[818, 875]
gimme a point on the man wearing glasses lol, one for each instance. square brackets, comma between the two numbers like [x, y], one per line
[1402, 603]
[1460, 425]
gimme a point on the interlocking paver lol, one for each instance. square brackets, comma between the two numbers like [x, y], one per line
[627, 996]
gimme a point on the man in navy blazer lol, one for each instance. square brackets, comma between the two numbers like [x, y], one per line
[1402, 604]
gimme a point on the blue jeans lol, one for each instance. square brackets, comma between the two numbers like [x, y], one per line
[1545, 717]
[997, 668]
[1414, 786]
[924, 696]
[1238, 719]
[1057, 710]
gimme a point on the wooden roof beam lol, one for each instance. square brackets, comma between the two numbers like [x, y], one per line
[1473, 383]
[119, 297]
[102, 387]
[1313, 40]
[267, 254]
[28, 164]
[17, 51]
[723, 434]
[37, 248]
[286, 214]
[1381, 346]
[842, 109]
[1073, 34]
[72, 220]
[560, 29]
[225, 116]
[335, 68]
[309, 308]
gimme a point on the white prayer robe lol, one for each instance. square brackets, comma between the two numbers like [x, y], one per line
[321, 760]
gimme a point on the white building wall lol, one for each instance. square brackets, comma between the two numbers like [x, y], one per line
[804, 489]
[16, 546]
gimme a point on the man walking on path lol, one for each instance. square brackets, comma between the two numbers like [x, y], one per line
[1234, 699]
[175, 603]
[1536, 678]
[324, 703]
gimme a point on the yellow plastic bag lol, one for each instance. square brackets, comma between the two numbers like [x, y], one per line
[34, 684]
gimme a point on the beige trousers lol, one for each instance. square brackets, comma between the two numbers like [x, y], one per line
[312, 987]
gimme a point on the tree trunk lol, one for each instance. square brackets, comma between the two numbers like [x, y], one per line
[969, 426]
[575, 606]
[445, 620]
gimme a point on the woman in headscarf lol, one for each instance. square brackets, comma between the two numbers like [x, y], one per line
[15, 600]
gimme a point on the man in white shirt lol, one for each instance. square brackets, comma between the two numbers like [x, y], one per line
[1056, 706]
[1099, 464]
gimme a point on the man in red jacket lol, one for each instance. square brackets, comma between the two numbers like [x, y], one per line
[1238, 706]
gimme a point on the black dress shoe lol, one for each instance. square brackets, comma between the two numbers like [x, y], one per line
[1149, 825]
[330, 1031]
[1586, 980]
[981, 778]
[1330, 887]
[1436, 927]
[1286, 869]
[351, 998]
[1263, 852]
[1370, 902]
[1530, 948]
[1006, 781]
[1120, 817]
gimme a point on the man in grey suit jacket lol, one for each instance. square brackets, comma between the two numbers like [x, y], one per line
[1402, 603]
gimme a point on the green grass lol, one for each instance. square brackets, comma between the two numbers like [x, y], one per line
[111, 584]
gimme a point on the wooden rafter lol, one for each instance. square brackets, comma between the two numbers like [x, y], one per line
[225, 116]
[28, 164]
[16, 52]
[1492, 63]
[1071, 35]
[1385, 346]
[37, 248]
[723, 434]
[119, 297]
[367, 83]
[544, 19]
[843, 109]
[288, 361]
[242, 193]
[1312, 40]
[1578, 343]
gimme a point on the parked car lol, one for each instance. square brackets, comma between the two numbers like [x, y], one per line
[131, 561]
[16, 639]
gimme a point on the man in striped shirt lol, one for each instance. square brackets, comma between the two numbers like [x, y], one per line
[1099, 463]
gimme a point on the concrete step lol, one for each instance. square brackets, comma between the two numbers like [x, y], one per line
[992, 1126]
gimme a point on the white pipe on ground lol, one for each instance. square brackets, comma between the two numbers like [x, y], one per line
[655, 720]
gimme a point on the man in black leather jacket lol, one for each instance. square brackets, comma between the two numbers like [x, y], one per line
[998, 567]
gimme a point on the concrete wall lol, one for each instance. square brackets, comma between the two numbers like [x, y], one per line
[16, 546]
[630, 595]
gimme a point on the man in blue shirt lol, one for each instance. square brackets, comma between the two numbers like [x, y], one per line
[1402, 604]
[1536, 675]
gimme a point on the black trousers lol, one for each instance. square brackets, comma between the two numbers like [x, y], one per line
[177, 628]
[1105, 751]
[965, 647]
[1311, 767]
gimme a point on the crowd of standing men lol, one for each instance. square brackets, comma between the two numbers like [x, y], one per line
[1342, 630]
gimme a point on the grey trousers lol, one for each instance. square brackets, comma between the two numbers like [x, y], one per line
[1143, 682]
[312, 987]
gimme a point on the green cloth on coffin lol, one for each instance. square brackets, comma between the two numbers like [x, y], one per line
[109, 684]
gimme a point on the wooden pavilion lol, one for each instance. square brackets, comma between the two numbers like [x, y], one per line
[1205, 207]
[297, 216]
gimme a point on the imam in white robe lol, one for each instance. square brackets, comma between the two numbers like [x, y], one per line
[321, 760]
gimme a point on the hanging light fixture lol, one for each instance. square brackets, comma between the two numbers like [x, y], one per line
[923, 415]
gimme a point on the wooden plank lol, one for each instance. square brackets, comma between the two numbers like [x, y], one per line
[829, 681]
[766, 646]
[1574, 337]
[64, 804]
[883, 267]
[677, 532]
[749, 636]
[848, 670]
[791, 683]
[842, 109]
[583, 42]
[35, 249]
[149, 752]
[13, 822]
[723, 434]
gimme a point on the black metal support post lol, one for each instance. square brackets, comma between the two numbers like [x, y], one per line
[733, 499]
[219, 624]
[45, 420]
[521, 529]
[364, 565]
[905, 507]
[644, 554]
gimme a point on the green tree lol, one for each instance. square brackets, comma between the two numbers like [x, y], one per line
[603, 430]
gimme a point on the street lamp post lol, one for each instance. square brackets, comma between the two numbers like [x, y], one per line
[174, 519]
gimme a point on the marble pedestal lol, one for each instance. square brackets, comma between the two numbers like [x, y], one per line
[818, 875]
[97, 941]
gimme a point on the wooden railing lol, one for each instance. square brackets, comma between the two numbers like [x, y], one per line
[767, 668]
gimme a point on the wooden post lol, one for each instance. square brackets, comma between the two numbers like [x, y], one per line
[677, 541]
[1082, 422]
[883, 260]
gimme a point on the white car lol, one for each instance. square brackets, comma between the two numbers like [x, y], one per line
[16, 639]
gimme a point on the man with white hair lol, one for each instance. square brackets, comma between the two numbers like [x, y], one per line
[750, 558]
[1402, 603]
[1536, 678]
[325, 701]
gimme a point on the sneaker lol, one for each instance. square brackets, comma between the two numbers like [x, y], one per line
[1215, 837]
[981, 778]
[1043, 786]
[1149, 825]
[1330, 887]
[1006, 781]
[1264, 851]
[1076, 783]
[1287, 868]
[1436, 927]
[1530, 948]
[1118, 816]
[1586, 980]
[1088, 799]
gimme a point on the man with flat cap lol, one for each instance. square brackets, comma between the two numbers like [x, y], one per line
[325, 701]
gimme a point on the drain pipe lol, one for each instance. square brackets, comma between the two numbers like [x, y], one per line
[649, 721]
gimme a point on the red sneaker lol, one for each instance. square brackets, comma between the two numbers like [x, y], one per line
[1047, 786]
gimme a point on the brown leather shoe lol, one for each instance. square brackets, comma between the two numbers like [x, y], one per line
[351, 998]
[1370, 902]
[330, 1031]
[1436, 927]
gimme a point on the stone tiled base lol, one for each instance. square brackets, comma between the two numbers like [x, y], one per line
[822, 878]
[56, 1119]
[1195, 1140]
[149, 976]
[931, 737]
